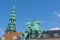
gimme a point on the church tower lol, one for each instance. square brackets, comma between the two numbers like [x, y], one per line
[11, 33]
[12, 21]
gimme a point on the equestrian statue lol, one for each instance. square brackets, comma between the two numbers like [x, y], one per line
[32, 30]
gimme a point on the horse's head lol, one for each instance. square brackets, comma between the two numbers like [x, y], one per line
[35, 22]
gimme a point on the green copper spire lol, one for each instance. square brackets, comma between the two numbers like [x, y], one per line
[12, 21]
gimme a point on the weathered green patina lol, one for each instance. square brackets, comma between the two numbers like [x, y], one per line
[32, 30]
[12, 21]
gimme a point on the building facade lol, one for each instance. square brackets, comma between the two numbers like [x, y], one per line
[50, 35]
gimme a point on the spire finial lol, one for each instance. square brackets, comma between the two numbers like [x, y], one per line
[14, 6]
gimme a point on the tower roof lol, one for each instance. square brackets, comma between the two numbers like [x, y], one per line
[12, 21]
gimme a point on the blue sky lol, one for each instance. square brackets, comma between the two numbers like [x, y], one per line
[46, 11]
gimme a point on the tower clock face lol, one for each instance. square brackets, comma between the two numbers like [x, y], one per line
[14, 37]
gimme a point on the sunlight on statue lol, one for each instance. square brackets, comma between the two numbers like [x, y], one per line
[32, 30]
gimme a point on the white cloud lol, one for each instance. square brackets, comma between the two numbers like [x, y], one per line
[1, 31]
[55, 28]
[58, 15]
